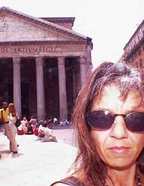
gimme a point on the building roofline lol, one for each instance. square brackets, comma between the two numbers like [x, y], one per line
[46, 23]
[133, 34]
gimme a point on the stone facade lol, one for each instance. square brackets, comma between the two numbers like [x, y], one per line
[43, 63]
[134, 49]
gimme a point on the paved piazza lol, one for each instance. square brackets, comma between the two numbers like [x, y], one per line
[38, 163]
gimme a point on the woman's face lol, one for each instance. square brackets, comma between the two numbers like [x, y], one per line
[118, 147]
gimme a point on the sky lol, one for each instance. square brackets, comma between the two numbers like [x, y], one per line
[110, 23]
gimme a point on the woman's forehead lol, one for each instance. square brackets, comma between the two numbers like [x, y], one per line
[111, 96]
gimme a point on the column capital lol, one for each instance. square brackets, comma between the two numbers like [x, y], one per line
[61, 60]
[39, 57]
[39, 60]
[16, 60]
[83, 60]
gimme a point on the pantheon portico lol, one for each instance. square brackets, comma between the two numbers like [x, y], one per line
[43, 63]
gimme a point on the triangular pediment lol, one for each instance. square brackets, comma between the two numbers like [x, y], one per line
[16, 26]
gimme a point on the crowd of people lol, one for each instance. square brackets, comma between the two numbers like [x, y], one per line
[12, 125]
[42, 128]
[25, 126]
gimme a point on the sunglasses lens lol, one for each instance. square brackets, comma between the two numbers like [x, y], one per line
[135, 121]
[101, 120]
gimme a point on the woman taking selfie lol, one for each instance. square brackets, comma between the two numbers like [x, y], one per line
[109, 121]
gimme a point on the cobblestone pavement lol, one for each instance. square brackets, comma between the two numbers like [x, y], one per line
[38, 163]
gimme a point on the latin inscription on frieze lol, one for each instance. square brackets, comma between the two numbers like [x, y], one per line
[33, 50]
[40, 50]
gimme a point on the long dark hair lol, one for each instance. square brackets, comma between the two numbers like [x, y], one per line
[89, 167]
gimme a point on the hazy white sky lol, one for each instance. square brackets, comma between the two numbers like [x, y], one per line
[110, 23]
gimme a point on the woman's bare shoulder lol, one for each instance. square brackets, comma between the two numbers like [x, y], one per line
[59, 184]
[69, 181]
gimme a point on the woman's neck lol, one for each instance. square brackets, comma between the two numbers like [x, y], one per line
[122, 177]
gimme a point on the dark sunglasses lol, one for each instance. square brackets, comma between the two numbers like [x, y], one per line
[103, 120]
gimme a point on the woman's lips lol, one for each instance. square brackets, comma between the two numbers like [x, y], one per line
[119, 149]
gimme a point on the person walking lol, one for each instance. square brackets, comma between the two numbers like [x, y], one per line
[12, 123]
[8, 118]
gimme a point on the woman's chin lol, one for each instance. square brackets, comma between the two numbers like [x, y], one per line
[120, 165]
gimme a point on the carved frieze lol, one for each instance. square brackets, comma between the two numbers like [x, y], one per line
[40, 50]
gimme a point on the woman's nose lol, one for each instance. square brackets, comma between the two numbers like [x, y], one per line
[119, 129]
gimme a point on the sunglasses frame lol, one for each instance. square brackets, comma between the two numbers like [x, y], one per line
[130, 125]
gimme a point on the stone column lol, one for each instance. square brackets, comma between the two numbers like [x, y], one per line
[40, 88]
[83, 70]
[17, 85]
[62, 89]
[89, 59]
